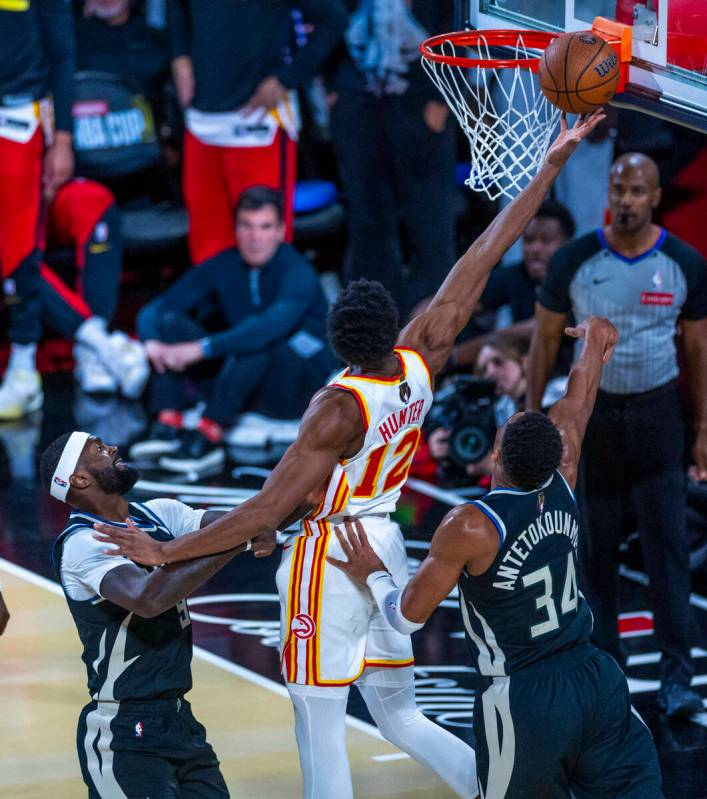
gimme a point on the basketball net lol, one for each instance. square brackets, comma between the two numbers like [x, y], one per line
[506, 118]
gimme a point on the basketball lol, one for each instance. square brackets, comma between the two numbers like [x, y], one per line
[579, 72]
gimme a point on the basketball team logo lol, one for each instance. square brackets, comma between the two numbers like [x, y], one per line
[405, 392]
[303, 626]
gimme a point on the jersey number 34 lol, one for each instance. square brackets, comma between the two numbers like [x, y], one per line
[546, 602]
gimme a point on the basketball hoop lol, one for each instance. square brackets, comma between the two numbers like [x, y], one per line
[487, 79]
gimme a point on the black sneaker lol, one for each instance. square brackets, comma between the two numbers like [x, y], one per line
[678, 701]
[195, 454]
[161, 440]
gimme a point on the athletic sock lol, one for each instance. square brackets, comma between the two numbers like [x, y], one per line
[212, 431]
[22, 356]
[171, 418]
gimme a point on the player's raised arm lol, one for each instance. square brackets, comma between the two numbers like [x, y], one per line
[331, 428]
[433, 333]
[571, 413]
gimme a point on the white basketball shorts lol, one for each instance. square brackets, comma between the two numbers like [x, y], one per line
[330, 626]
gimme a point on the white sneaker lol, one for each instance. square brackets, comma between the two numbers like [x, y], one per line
[126, 358]
[256, 430]
[20, 394]
[91, 374]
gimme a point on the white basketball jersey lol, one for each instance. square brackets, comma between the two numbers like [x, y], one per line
[393, 410]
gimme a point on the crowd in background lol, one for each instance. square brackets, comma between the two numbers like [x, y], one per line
[213, 107]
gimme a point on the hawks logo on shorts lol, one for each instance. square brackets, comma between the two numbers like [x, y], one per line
[303, 626]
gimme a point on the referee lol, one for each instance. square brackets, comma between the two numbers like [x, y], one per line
[644, 280]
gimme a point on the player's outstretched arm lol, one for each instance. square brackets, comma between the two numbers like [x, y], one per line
[433, 333]
[464, 539]
[148, 594]
[571, 413]
[330, 426]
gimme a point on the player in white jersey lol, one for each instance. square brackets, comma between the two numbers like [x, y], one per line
[355, 445]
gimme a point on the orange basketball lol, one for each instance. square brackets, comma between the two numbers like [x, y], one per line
[579, 72]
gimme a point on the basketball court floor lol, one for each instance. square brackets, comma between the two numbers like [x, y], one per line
[237, 692]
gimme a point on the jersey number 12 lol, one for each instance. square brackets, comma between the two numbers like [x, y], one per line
[546, 603]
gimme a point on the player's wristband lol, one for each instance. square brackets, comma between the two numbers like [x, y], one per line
[387, 596]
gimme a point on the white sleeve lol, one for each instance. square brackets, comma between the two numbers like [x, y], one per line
[177, 517]
[388, 598]
[84, 564]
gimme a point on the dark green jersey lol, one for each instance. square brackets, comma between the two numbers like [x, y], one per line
[526, 606]
[127, 656]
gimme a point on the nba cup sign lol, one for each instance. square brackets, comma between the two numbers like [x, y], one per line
[303, 626]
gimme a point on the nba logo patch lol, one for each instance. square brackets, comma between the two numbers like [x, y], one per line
[138, 729]
[303, 626]
[9, 287]
[61, 483]
[541, 502]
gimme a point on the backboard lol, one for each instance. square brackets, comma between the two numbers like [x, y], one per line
[667, 75]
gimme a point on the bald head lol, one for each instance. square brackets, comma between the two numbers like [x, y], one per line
[634, 192]
[637, 164]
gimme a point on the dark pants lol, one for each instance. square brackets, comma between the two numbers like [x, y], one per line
[275, 381]
[634, 449]
[393, 168]
[147, 750]
[564, 727]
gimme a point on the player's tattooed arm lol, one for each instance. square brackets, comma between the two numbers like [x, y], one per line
[433, 332]
[331, 429]
[465, 539]
[571, 413]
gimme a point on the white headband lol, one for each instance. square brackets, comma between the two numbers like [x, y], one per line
[67, 463]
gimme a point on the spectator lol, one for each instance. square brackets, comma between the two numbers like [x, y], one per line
[271, 349]
[112, 37]
[235, 69]
[83, 215]
[516, 285]
[394, 146]
[647, 281]
[40, 38]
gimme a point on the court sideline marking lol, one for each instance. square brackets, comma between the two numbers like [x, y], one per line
[202, 654]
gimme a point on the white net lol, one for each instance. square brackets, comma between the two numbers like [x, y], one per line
[506, 118]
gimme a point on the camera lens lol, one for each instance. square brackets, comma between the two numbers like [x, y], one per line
[468, 444]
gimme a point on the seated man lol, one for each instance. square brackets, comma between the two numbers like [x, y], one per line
[83, 216]
[271, 351]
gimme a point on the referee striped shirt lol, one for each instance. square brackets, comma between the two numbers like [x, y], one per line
[643, 297]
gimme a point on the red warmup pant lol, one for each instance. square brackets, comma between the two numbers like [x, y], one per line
[20, 211]
[71, 221]
[214, 178]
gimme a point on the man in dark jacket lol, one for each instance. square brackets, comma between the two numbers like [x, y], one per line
[271, 347]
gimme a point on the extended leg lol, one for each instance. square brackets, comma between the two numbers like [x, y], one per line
[389, 695]
[320, 728]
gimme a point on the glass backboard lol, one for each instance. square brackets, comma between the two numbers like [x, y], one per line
[668, 72]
